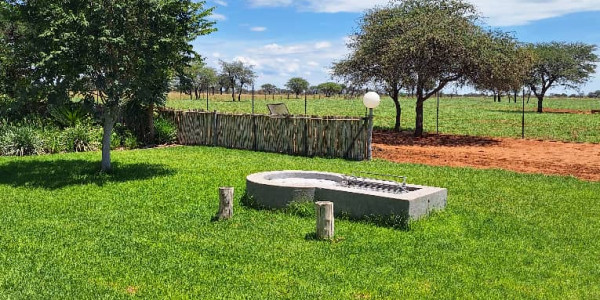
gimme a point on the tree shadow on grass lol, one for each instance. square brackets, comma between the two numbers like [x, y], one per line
[57, 174]
[547, 111]
[406, 138]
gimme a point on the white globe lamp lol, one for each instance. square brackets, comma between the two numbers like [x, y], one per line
[371, 100]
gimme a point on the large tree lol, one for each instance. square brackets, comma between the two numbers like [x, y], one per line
[560, 64]
[417, 44]
[297, 85]
[330, 88]
[268, 88]
[17, 62]
[238, 74]
[116, 49]
[197, 77]
[504, 65]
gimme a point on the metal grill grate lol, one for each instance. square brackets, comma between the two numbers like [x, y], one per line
[372, 184]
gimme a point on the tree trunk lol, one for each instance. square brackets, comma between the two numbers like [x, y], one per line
[419, 119]
[233, 91]
[495, 97]
[151, 124]
[397, 126]
[109, 122]
[540, 108]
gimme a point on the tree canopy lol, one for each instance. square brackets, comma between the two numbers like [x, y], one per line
[560, 64]
[117, 50]
[418, 44]
[237, 74]
[505, 64]
[268, 88]
[330, 88]
[198, 76]
[297, 85]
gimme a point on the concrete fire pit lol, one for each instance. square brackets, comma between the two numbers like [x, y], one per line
[352, 196]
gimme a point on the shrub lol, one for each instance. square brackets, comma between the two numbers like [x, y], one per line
[81, 138]
[115, 140]
[70, 115]
[53, 141]
[164, 131]
[20, 141]
[123, 137]
[130, 141]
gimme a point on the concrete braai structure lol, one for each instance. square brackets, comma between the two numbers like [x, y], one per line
[352, 196]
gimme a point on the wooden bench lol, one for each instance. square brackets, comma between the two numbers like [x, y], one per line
[595, 111]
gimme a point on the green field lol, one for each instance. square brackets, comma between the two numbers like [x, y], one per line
[145, 230]
[464, 116]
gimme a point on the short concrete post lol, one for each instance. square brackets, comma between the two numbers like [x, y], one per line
[325, 220]
[225, 203]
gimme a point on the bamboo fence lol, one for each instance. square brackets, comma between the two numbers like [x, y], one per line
[311, 136]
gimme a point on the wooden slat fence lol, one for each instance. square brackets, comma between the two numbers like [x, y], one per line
[310, 136]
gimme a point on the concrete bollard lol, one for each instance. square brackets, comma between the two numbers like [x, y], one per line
[325, 220]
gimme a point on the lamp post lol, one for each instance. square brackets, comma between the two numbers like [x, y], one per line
[371, 100]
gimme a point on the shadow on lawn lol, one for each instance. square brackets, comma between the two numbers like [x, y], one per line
[307, 210]
[406, 138]
[61, 173]
[547, 111]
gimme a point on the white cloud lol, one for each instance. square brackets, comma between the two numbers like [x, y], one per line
[498, 13]
[322, 45]
[220, 2]
[248, 61]
[278, 62]
[515, 12]
[258, 29]
[217, 17]
[271, 3]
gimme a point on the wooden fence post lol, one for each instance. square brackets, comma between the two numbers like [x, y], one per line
[225, 203]
[325, 220]
[215, 133]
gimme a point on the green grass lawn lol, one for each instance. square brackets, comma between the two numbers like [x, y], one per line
[464, 116]
[68, 232]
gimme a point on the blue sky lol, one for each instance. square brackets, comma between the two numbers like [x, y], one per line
[289, 38]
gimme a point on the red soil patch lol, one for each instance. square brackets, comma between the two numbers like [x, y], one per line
[526, 156]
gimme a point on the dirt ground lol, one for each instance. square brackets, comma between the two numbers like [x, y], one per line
[527, 156]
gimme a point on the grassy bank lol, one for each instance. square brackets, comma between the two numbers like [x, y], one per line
[145, 230]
